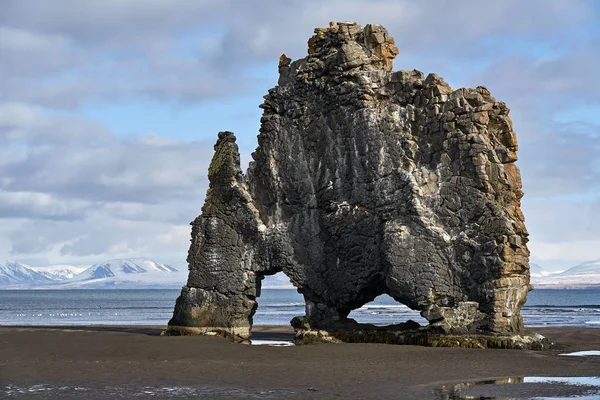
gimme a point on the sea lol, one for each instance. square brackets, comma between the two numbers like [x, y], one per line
[544, 307]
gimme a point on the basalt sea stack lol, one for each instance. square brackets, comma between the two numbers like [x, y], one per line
[365, 181]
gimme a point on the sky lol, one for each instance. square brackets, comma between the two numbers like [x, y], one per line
[109, 110]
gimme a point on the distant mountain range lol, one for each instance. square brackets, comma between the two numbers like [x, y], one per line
[15, 273]
[586, 274]
[277, 281]
[117, 274]
[59, 272]
[147, 274]
[536, 271]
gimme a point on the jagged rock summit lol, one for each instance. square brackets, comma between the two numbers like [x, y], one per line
[365, 181]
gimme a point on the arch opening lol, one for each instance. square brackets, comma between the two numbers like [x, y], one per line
[384, 310]
[278, 301]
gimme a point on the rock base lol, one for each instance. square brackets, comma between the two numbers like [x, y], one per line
[238, 334]
[424, 337]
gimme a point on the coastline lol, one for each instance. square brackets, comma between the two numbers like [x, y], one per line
[136, 356]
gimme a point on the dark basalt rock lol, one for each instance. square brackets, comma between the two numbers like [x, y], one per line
[365, 181]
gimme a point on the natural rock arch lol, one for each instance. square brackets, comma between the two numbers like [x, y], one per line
[365, 181]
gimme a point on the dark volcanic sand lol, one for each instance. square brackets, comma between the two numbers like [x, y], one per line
[134, 362]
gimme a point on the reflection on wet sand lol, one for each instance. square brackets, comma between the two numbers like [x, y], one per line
[581, 388]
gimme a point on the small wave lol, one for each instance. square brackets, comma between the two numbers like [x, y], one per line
[561, 311]
[279, 305]
[383, 307]
[592, 322]
[287, 312]
[563, 306]
[92, 309]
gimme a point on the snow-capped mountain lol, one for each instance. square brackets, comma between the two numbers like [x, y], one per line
[120, 268]
[128, 273]
[17, 274]
[59, 272]
[588, 267]
[125, 274]
[586, 274]
[141, 273]
[536, 271]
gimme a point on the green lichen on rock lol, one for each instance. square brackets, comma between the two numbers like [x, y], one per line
[424, 337]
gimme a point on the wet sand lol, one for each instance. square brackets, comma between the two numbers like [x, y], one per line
[114, 361]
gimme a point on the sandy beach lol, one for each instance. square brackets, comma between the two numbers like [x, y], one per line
[90, 362]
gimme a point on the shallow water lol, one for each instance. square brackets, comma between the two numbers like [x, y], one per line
[586, 353]
[278, 343]
[529, 387]
[548, 307]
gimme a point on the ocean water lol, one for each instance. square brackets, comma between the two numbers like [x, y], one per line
[544, 307]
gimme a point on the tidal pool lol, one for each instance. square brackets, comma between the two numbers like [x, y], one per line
[528, 387]
[43, 391]
[278, 343]
[585, 353]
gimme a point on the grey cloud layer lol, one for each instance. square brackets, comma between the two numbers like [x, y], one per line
[558, 158]
[70, 189]
[72, 158]
[29, 125]
[135, 171]
[137, 39]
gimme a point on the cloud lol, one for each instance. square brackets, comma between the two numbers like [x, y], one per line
[40, 206]
[102, 231]
[125, 243]
[195, 51]
[582, 250]
[74, 159]
[72, 189]
[95, 239]
[101, 51]
[559, 159]
[577, 221]
[23, 124]
[27, 53]
[97, 22]
[547, 84]
[106, 79]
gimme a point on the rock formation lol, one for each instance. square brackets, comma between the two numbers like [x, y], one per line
[365, 181]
